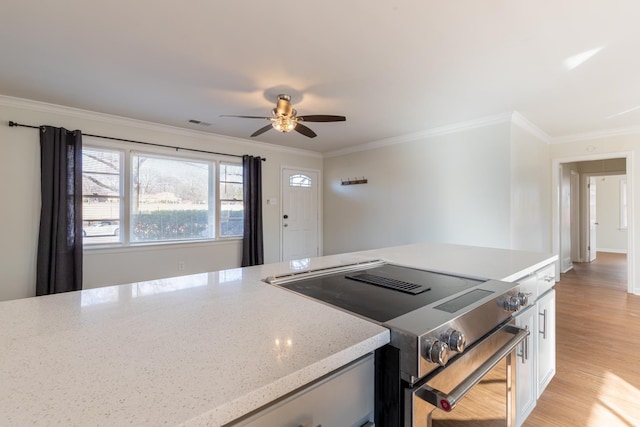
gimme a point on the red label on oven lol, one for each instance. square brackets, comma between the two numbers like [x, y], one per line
[445, 405]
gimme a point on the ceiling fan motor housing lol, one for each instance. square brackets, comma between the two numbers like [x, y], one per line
[283, 107]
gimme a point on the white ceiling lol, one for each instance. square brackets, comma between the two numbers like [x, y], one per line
[393, 67]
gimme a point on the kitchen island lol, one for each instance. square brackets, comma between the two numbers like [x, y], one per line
[198, 350]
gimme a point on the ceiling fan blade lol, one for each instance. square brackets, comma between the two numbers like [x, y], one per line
[246, 117]
[322, 118]
[262, 130]
[300, 128]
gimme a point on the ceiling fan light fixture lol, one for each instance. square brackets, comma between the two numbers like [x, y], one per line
[285, 119]
[284, 124]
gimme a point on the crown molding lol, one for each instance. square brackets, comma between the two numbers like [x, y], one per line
[587, 136]
[523, 123]
[43, 107]
[429, 133]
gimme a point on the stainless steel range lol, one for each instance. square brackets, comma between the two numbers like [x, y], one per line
[447, 332]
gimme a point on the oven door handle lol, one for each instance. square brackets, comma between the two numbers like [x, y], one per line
[447, 402]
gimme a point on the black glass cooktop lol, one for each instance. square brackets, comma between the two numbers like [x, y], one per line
[377, 302]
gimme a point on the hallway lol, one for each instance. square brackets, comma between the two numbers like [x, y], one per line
[597, 382]
[608, 270]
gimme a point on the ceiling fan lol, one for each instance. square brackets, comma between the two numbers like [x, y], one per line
[285, 119]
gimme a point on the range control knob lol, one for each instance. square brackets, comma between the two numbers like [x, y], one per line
[455, 340]
[523, 299]
[437, 351]
[512, 304]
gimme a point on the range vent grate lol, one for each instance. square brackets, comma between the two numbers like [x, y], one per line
[386, 282]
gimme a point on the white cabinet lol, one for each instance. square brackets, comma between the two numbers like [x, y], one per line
[546, 339]
[526, 384]
[344, 398]
[534, 373]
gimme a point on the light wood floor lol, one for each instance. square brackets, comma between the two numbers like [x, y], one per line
[597, 382]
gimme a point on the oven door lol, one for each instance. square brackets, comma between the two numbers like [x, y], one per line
[483, 374]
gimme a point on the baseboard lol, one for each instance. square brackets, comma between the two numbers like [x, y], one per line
[567, 269]
[613, 251]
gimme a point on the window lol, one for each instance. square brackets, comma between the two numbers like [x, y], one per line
[101, 195]
[623, 204]
[299, 181]
[166, 198]
[231, 204]
[170, 199]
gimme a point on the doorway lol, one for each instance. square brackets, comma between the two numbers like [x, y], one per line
[607, 214]
[575, 220]
[300, 224]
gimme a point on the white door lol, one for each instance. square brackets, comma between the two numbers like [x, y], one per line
[300, 191]
[593, 222]
[575, 216]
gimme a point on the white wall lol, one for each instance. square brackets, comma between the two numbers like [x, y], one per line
[449, 188]
[609, 237]
[20, 188]
[485, 186]
[530, 192]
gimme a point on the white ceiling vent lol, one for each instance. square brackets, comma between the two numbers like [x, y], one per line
[198, 122]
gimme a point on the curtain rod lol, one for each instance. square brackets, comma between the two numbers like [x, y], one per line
[14, 124]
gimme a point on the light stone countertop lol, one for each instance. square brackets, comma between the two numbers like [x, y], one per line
[198, 350]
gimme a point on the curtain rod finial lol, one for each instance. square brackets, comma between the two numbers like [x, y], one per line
[12, 124]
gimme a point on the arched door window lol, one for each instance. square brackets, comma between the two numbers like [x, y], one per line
[299, 180]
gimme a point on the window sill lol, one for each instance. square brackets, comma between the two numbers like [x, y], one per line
[158, 246]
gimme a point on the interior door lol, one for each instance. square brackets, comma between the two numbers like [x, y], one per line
[299, 214]
[575, 216]
[593, 222]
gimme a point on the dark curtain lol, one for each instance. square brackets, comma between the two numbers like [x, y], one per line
[59, 264]
[252, 247]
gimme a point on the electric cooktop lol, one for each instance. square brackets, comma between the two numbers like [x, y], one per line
[386, 292]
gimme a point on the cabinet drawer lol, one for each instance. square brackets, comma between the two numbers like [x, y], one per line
[546, 278]
[344, 398]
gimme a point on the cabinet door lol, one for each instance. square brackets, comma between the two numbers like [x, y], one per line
[546, 339]
[525, 362]
[345, 398]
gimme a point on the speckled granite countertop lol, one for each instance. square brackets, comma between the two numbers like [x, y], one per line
[198, 350]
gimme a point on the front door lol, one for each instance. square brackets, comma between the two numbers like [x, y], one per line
[300, 191]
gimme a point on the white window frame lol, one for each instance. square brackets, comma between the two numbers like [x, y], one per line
[123, 202]
[219, 200]
[127, 151]
[623, 204]
[304, 181]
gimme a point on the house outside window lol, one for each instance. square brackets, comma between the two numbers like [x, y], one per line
[102, 195]
[231, 203]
